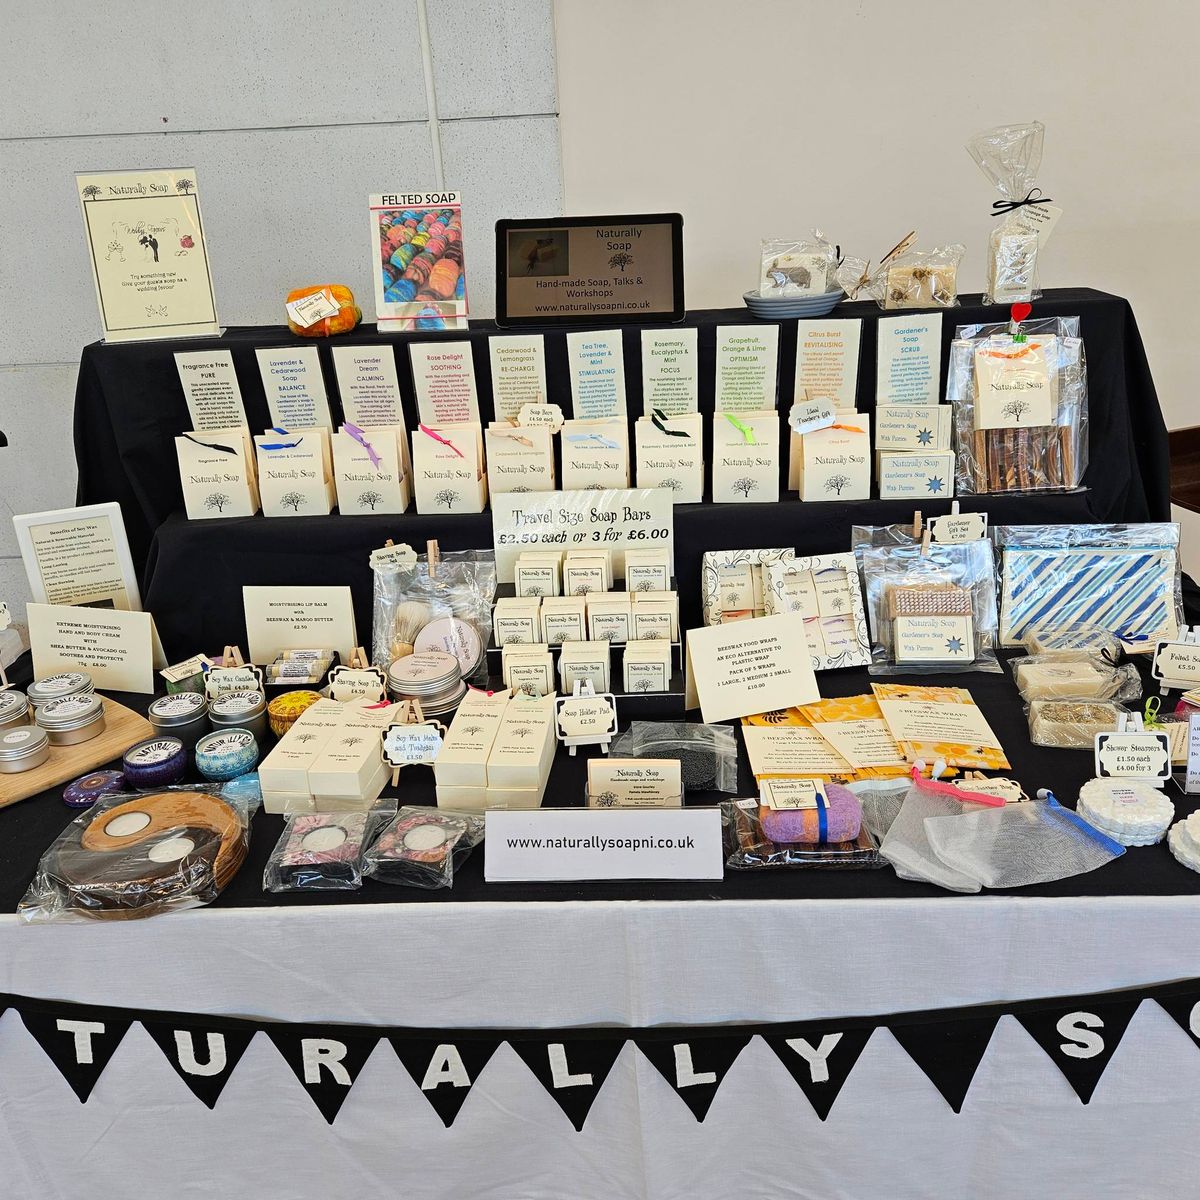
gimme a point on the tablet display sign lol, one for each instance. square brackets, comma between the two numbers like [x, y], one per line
[588, 268]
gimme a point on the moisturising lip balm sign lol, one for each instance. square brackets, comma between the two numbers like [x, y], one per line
[618, 520]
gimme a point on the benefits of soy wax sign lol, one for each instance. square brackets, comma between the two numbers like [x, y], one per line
[618, 520]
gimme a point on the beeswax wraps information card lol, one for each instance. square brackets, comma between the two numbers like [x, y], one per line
[745, 667]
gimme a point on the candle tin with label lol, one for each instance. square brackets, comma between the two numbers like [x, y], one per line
[183, 715]
[226, 754]
[58, 687]
[23, 749]
[285, 710]
[87, 789]
[240, 710]
[14, 710]
[70, 720]
[155, 763]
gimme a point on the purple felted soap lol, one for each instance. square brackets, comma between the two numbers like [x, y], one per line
[843, 819]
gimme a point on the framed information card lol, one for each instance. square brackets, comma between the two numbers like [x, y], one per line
[149, 261]
[556, 270]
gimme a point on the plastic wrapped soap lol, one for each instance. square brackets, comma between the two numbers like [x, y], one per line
[1073, 642]
[843, 819]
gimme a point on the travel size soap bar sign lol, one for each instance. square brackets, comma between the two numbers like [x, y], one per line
[617, 520]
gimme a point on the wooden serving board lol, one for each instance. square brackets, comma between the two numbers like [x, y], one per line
[123, 728]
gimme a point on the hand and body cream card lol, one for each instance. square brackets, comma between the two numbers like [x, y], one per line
[747, 368]
[448, 471]
[149, 261]
[745, 457]
[444, 378]
[210, 386]
[119, 650]
[369, 472]
[595, 455]
[909, 366]
[743, 667]
[827, 360]
[518, 373]
[218, 472]
[368, 385]
[519, 459]
[670, 454]
[295, 387]
[298, 618]
[670, 371]
[597, 364]
[295, 473]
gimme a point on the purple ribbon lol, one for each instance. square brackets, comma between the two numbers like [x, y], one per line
[361, 438]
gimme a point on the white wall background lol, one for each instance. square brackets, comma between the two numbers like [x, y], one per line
[766, 117]
[291, 116]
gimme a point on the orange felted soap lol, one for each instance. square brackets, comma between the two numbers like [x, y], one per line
[346, 318]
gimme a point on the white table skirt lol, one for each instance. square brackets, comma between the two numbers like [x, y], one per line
[1022, 1132]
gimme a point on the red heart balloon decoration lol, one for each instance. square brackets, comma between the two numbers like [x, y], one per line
[1021, 311]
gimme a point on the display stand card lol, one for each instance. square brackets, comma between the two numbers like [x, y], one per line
[743, 667]
[670, 454]
[119, 650]
[827, 360]
[954, 527]
[295, 473]
[670, 371]
[1145, 756]
[78, 556]
[519, 459]
[210, 387]
[595, 454]
[295, 387]
[298, 618]
[909, 366]
[747, 368]
[518, 373]
[218, 473]
[149, 260]
[1176, 664]
[444, 378]
[1013, 387]
[541, 416]
[368, 470]
[448, 472]
[919, 428]
[368, 385]
[835, 463]
[914, 476]
[597, 367]
[745, 457]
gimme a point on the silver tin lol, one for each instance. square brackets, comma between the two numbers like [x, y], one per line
[181, 714]
[23, 749]
[70, 720]
[240, 710]
[14, 710]
[55, 687]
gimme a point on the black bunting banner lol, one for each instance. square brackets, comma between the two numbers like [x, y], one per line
[1079, 1034]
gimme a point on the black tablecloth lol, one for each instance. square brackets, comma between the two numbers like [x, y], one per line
[130, 406]
[28, 828]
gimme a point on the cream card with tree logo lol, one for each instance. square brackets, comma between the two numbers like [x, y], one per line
[519, 459]
[149, 261]
[217, 472]
[1013, 387]
[670, 454]
[595, 455]
[745, 457]
[295, 473]
[369, 471]
[448, 472]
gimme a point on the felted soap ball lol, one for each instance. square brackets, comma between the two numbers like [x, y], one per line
[843, 817]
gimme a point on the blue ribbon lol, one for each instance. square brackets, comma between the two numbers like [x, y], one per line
[822, 820]
[280, 445]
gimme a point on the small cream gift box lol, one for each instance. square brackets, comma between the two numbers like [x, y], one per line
[448, 474]
[295, 472]
[218, 472]
[369, 470]
[745, 457]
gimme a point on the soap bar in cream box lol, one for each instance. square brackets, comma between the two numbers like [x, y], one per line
[835, 463]
[517, 619]
[610, 616]
[595, 454]
[519, 459]
[523, 748]
[538, 574]
[647, 666]
[448, 475]
[647, 570]
[655, 616]
[528, 669]
[586, 571]
[580, 662]
[564, 619]
[295, 473]
[913, 476]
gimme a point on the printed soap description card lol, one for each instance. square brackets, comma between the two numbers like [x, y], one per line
[909, 369]
[210, 386]
[827, 360]
[597, 374]
[518, 373]
[368, 385]
[444, 378]
[747, 367]
[295, 387]
[670, 371]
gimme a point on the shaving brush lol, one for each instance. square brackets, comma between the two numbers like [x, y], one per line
[411, 617]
